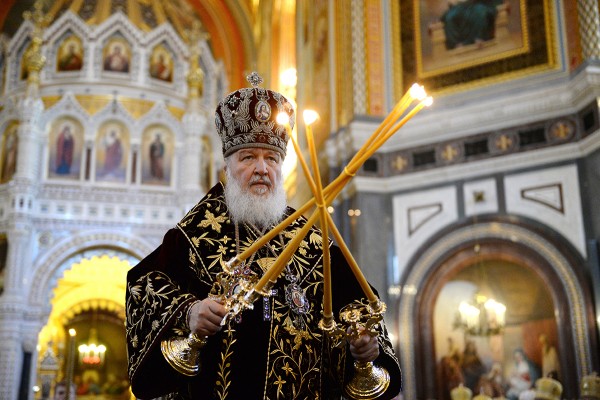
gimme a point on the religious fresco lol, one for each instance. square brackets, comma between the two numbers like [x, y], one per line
[161, 64]
[455, 35]
[501, 39]
[112, 152]
[116, 55]
[10, 149]
[157, 155]
[70, 54]
[65, 149]
[505, 360]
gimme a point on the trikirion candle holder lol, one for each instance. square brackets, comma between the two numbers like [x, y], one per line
[238, 293]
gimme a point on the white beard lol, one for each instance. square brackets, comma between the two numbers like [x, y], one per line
[262, 210]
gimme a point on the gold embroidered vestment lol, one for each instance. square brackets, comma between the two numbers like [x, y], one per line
[275, 350]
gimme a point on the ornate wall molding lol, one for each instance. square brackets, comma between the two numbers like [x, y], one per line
[50, 265]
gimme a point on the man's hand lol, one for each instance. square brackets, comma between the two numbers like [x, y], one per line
[365, 348]
[205, 317]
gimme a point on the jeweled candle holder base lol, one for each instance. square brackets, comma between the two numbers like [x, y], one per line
[369, 381]
[183, 353]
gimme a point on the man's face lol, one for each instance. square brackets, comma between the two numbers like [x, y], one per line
[257, 170]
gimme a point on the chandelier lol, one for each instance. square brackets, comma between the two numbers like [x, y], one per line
[481, 316]
[92, 353]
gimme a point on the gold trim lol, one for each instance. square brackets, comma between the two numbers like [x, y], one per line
[159, 12]
[374, 49]
[364, 45]
[396, 50]
[49, 101]
[136, 107]
[551, 41]
[102, 11]
[93, 103]
[133, 9]
[344, 85]
[76, 6]
[177, 112]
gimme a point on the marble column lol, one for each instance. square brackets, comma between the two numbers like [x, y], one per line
[29, 150]
[194, 124]
[11, 348]
[13, 310]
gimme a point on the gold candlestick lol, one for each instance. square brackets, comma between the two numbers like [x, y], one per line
[309, 118]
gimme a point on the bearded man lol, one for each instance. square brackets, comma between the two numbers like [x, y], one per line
[276, 350]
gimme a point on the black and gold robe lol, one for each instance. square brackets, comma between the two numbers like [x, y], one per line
[275, 350]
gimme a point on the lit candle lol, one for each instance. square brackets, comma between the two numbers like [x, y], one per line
[309, 118]
[336, 186]
[338, 237]
[416, 92]
[357, 162]
[362, 281]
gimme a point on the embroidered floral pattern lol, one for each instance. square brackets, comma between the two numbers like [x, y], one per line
[298, 353]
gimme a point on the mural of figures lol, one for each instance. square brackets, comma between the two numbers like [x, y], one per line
[157, 152]
[116, 56]
[506, 363]
[112, 148]
[161, 64]
[450, 373]
[471, 365]
[469, 22]
[66, 144]
[522, 375]
[10, 148]
[70, 54]
[457, 34]
[492, 384]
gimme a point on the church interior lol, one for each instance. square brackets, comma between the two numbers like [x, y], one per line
[475, 220]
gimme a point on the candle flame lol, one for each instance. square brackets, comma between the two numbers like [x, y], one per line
[310, 116]
[72, 332]
[283, 118]
[428, 101]
[417, 92]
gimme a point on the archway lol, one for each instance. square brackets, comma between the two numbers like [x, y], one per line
[520, 243]
[88, 301]
[84, 282]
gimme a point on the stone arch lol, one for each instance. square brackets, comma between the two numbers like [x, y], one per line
[557, 259]
[48, 268]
